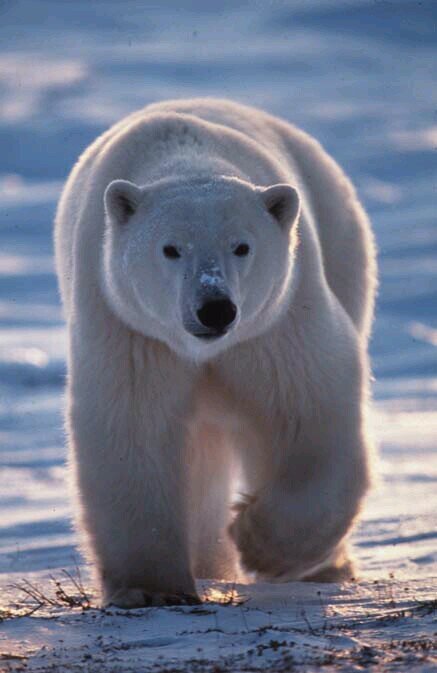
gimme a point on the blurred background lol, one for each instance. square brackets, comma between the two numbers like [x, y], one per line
[357, 74]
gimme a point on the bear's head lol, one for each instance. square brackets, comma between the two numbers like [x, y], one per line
[199, 263]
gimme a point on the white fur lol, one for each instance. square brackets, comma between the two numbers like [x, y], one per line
[160, 422]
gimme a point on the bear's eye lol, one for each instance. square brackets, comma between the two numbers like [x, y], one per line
[171, 252]
[242, 250]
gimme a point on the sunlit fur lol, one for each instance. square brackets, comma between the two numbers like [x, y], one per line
[163, 426]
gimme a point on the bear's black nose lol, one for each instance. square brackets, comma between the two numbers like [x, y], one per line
[217, 314]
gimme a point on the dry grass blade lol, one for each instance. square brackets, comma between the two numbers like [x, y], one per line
[78, 599]
[35, 598]
[228, 597]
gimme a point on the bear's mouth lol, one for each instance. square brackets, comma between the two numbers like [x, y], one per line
[209, 336]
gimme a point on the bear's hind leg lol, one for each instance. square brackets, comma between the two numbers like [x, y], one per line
[211, 482]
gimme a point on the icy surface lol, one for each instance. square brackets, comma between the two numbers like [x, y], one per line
[360, 76]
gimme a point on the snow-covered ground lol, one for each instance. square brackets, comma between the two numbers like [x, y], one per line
[360, 76]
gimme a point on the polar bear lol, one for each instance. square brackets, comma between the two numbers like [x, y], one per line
[218, 276]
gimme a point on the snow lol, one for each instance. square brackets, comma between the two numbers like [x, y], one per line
[212, 277]
[358, 75]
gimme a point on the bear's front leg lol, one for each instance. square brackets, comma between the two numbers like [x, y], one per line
[304, 493]
[127, 428]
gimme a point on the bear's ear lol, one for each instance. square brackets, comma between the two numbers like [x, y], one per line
[283, 203]
[121, 199]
